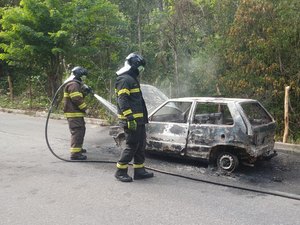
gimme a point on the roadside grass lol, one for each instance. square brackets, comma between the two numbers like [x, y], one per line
[42, 104]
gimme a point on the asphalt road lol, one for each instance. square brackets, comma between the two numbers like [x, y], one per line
[37, 188]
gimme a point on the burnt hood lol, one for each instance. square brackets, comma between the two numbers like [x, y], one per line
[153, 98]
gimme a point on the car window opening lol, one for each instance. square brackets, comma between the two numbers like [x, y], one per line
[212, 113]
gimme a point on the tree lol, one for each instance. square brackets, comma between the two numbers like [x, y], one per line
[33, 38]
[241, 48]
[47, 35]
[262, 54]
[181, 30]
[98, 37]
[4, 70]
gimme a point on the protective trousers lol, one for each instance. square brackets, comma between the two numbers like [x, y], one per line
[77, 129]
[135, 146]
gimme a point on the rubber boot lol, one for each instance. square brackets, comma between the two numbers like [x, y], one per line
[83, 150]
[141, 173]
[122, 175]
[78, 156]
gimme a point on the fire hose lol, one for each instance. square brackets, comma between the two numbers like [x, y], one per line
[256, 190]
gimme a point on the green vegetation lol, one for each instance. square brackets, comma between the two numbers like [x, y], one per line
[242, 48]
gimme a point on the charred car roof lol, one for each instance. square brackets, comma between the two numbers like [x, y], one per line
[213, 99]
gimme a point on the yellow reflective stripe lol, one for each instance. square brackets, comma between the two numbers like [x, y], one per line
[136, 115]
[124, 91]
[66, 94]
[75, 94]
[122, 166]
[77, 114]
[135, 90]
[127, 112]
[135, 166]
[121, 117]
[82, 106]
[75, 150]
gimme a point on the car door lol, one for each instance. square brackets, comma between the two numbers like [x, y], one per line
[168, 127]
[211, 124]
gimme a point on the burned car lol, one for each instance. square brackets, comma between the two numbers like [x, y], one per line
[221, 131]
[225, 131]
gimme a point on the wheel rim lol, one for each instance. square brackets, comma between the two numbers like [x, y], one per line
[227, 162]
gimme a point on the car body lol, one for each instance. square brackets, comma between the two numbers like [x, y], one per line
[224, 131]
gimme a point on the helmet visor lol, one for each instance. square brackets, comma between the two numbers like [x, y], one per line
[141, 69]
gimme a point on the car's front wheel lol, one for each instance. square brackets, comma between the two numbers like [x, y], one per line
[227, 161]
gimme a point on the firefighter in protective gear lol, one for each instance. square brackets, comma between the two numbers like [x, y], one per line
[75, 110]
[133, 116]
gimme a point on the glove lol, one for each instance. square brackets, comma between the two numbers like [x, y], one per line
[131, 124]
[87, 89]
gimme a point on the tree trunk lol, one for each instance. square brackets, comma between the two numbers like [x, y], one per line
[30, 93]
[10, 87]
[175, 55]
[54, 73]
[139, 26]
[176, 72]
[160, 5]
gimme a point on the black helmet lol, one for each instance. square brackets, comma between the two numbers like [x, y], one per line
[79, 71]
[135, 60]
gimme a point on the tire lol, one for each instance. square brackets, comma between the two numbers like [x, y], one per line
[227, 161]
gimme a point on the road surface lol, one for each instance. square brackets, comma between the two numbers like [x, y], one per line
[37, 188]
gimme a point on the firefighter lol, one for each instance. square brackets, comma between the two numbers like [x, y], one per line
[75, 110]
[133, 116]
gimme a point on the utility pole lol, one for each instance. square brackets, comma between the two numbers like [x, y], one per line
[286, 114]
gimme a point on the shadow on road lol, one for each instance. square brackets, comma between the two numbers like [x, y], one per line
[282, 173]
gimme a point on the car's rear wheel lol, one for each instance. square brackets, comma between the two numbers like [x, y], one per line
[227, 161]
